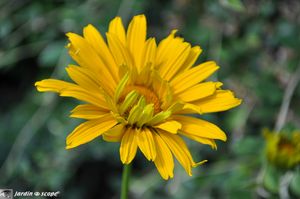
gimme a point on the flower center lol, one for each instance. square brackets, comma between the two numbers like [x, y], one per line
[150, 96]
[286, 146]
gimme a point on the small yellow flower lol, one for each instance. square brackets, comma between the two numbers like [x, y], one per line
[283, 151]
[138, 92]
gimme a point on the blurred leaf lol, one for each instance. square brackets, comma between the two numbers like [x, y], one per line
[6, 27]
[271, 179]
[50, 54]
[235, 5]
[295, 184]
[237, 117]
[248, 145]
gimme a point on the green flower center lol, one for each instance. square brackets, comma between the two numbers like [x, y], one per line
[150, 96]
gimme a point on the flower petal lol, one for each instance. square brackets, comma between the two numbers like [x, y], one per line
[95, 39]
[179, 52]
[84, 77]
[198, 91]
[89, 130]
[149, 53]
[136, 36]
[120, 52]
[164, 160]
[191, 59]
[128, 146]
[221, 100]
[163, 50]
[162, 89]
[67, 89]
[114, 134]
[88, 111]
[172, 52]
[171, 126]
[179, 149]
[193, 76]
[146, 143]
[202, 140]
[116, 27]
[200, 128]
[85, 56]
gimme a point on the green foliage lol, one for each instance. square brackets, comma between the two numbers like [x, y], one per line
[294, 186]
[271, 179]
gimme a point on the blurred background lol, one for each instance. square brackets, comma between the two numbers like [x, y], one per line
[257, 45]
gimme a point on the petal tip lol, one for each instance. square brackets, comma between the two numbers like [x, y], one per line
[239, 101]
[200, 163]
[69, 34]
[69, 147]
[140, 16]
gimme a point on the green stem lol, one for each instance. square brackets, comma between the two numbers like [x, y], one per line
[125, 181]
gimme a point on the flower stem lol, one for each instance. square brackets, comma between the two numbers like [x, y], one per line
[125, 181]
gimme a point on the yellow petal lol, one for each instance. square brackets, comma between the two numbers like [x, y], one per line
[144, 76]
[190, 108]
[128, 146]
[202, 140]
[221, 100]
[53, 85]
[149, 53]
[175, 107]
[163, 49]
[164, 160]
[200, 128]
[114, 134]
[88, 111]
[193, 76]
[179, 52]
[116, 27]
[67, 89]
[147, 64]
[171, 126]
[83, 53]
[83, 77]
[136, 36]
[109, 101]
[198, 91]
[146, 143]
[162, 89]
[191, 59]
[89, 130]
[120, 52]
[179, 149]
[96, 40]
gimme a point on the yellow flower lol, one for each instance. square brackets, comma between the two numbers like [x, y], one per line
[282, 151]
[138, 92]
